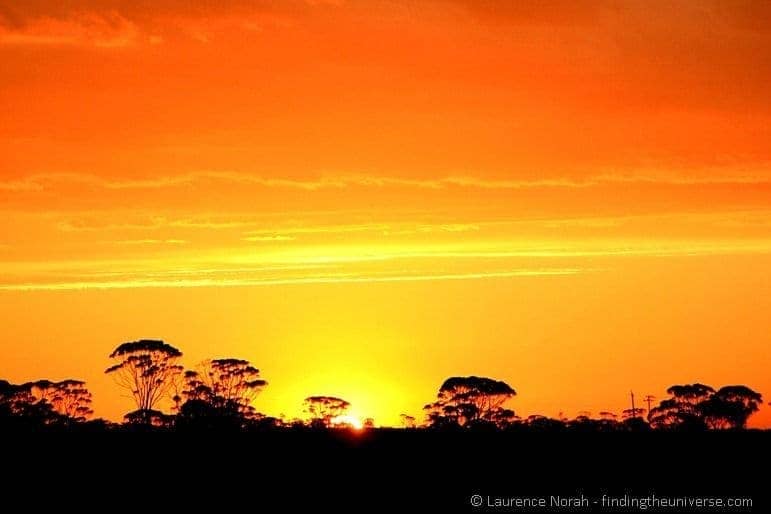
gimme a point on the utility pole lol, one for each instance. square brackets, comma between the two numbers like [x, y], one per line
[648, 400]
[634, 412]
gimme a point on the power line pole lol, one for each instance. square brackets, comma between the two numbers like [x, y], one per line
[648, 400]
[634, 412]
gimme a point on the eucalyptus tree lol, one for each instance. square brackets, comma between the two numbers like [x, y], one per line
[147, 369]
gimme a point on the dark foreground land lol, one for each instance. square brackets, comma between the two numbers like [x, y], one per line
[386, 470]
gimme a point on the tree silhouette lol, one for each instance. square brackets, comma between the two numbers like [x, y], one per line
[147, 369]
[225, 382]
[537, 422]
[220, 393]
[463, 401]
[608, 421]
[502, 418]
[584, 423]
[322, 409]
[70, 398]
[636, 412]
[9, 397]
[148, 417]
[698, 407]
[729, 407]
[19, 408]
[682, 411]
[407, 420]
[690, 394]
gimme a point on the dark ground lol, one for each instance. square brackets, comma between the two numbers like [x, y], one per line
[379, 470]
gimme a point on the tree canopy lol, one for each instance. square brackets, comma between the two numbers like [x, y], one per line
[44, 403]
[220, 393]
[700, 407]
[323, 409]
[147, 369]
[470, 400]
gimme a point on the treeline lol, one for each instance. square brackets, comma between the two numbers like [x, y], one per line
[219, 393]
[477, 402]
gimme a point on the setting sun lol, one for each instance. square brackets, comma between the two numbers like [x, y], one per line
[347, 421]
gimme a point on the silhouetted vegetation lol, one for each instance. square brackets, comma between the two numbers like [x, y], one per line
[147, 369]
[469, 402]
[219, 395]
[44, 404]
[68, 398]
[700, 407]
[408, 421]
[323, 409]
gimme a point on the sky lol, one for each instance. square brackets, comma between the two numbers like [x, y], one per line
[365, 198]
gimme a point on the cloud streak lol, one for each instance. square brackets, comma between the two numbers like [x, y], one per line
[268, 238]
[353, 265]
[49, 181]
[102, 30]
[238, 282]
[140, 242]
[121, 24]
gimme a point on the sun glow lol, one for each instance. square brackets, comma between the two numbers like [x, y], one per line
[347, 420]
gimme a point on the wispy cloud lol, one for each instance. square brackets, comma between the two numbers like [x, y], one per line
[315, 3]
[48, 181]
[268, 238]
[408, 229]
[323, 229]
[140, 242]
[94, 223]
[387, 229]
[44, 181]
[454, 227]
[103, 30]
[324, 279]
[313, 264]
[111, 24]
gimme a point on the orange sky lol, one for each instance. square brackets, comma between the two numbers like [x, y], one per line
[364, 198]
